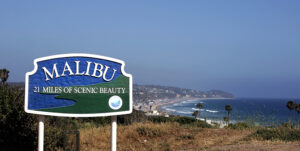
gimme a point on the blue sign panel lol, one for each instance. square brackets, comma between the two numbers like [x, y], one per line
[78, 85]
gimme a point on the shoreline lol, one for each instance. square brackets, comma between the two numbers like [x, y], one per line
[179, 100]
[167, 102]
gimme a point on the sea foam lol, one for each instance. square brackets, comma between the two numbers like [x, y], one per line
[184, 112]
[212, 111]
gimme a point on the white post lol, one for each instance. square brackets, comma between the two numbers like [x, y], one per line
[114, 133]
[41, 133]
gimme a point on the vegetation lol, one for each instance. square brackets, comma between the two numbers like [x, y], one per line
[149, 131]
[4, 75]
[228, 109]
[239, 126]
[180, 120]
[297, 108]
[195, 114]
[290, 105]
[226, 119]
[281, 133]
[199, 106]
[148, 136]
[18, 130]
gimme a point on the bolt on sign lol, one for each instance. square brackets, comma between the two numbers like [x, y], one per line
[78, 85]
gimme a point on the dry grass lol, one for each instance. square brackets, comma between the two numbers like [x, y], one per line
[174, 137]
[160, 137]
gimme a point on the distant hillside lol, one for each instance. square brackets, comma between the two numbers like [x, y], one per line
[144, 93]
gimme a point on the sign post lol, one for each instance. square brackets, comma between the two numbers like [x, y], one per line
[78, 85]
[113, 133]
[41, 133]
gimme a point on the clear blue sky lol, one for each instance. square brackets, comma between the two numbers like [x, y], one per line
[249, 48]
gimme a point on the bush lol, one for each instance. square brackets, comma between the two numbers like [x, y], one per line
[203, 124]
[18, 130]
[159, 119]
[55, 132]
[284, 134]
[180, 120]
[239, 126]
[185, 120]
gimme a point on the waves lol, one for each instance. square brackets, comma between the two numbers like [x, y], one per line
[177, 111]
[212, 111]
[176, 104]
[184, 112]
[187, 108]
[170, 110]
[272, 111]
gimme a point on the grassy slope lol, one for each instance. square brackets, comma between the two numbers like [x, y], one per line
[174, 137]
[158, 137]
[94, 103]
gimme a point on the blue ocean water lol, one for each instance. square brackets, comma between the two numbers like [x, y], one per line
[259, 110]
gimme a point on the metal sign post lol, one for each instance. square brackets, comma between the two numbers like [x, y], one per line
[114, 133]
[78, 85]
[41, 133]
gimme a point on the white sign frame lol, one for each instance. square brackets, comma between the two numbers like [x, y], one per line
[78, 115]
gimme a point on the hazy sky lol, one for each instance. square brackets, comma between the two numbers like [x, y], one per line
[249, 48]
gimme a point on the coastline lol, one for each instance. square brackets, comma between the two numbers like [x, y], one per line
[160, 109]
[166, 102]
[173, 101]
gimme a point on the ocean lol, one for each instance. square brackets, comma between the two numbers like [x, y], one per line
[259, 111]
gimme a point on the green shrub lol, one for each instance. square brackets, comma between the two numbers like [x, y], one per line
[160, 119]
[54, 138]
[287, 125]
[185, 120]
[284, 134]
[18, 130]
[203, 124]
[181, 120]
[55, 132]
[239, 126]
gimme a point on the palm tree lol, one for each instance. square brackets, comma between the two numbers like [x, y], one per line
[228, 109]
[199, 106]
[195, 114]
[297, 108]
[3, 75]
[290, 105]
[226, 120]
